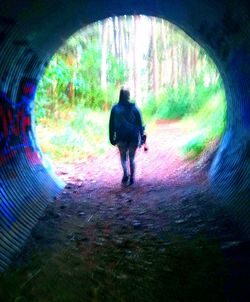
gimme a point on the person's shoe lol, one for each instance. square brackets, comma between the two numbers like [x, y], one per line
[131, 180]
[124, 179]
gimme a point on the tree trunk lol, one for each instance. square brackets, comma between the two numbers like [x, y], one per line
[155, 59]
[121, 39]
[115, 37]
[163, 53]
[136, 61]
[104, 62]
[130, 54]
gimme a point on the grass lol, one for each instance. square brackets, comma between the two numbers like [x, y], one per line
[75, 136]
[206, 126]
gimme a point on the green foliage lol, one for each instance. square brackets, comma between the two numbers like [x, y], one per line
[149, 108]
[52, 87]
[79, 134]
[71, 85]
[78, 64]
[87, 83]
[117, 72]
[181, 101]
[174, 103]
[203, 107]
[207, 125]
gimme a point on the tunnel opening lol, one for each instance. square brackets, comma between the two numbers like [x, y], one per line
[170, 79]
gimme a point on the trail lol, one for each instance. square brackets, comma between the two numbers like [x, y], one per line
[170, 193]
[162, 163]
[97, 218]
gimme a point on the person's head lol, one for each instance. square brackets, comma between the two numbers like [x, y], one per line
[124, 95]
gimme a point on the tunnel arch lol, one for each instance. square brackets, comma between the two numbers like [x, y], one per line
[32, 31]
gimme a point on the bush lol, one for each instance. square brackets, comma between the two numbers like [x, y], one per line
[210, 122]
[173, 104]
[83, 132]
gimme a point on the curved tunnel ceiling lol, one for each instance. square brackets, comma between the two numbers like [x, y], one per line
[32, 31]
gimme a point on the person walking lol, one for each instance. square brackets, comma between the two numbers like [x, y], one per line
[127, 132]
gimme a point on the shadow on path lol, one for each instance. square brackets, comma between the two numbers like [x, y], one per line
[162, 239]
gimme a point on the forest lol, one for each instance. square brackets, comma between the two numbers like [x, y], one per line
[169, 75]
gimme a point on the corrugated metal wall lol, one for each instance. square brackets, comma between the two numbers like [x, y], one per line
[31, 31]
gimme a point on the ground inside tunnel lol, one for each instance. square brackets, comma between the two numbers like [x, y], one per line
[162, 239]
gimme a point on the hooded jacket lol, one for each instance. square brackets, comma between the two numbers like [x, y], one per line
[125, 123]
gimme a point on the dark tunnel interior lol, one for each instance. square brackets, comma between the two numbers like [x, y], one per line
[32, 31]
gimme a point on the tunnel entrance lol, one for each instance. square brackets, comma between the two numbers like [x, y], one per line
[169, 76]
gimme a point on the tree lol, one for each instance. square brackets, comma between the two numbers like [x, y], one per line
[104, 62]
[136, 61]
[155, 69]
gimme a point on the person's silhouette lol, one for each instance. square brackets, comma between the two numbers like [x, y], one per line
[126, 131]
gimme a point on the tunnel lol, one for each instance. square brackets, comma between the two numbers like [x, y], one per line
[32, 31]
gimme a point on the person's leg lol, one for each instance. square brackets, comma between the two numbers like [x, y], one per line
[132, 150]
[122, 146]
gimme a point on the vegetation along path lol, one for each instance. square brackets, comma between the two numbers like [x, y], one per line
[162, 239]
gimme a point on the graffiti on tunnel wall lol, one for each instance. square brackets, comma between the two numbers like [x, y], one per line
[16, 133]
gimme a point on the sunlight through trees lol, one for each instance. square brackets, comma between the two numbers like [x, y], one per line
[168, 74]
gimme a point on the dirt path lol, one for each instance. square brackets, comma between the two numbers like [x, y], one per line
[162, 163]
[120, 238]
[169, 194]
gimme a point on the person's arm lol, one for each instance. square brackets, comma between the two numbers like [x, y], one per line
[139, 121]
[112, 127]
